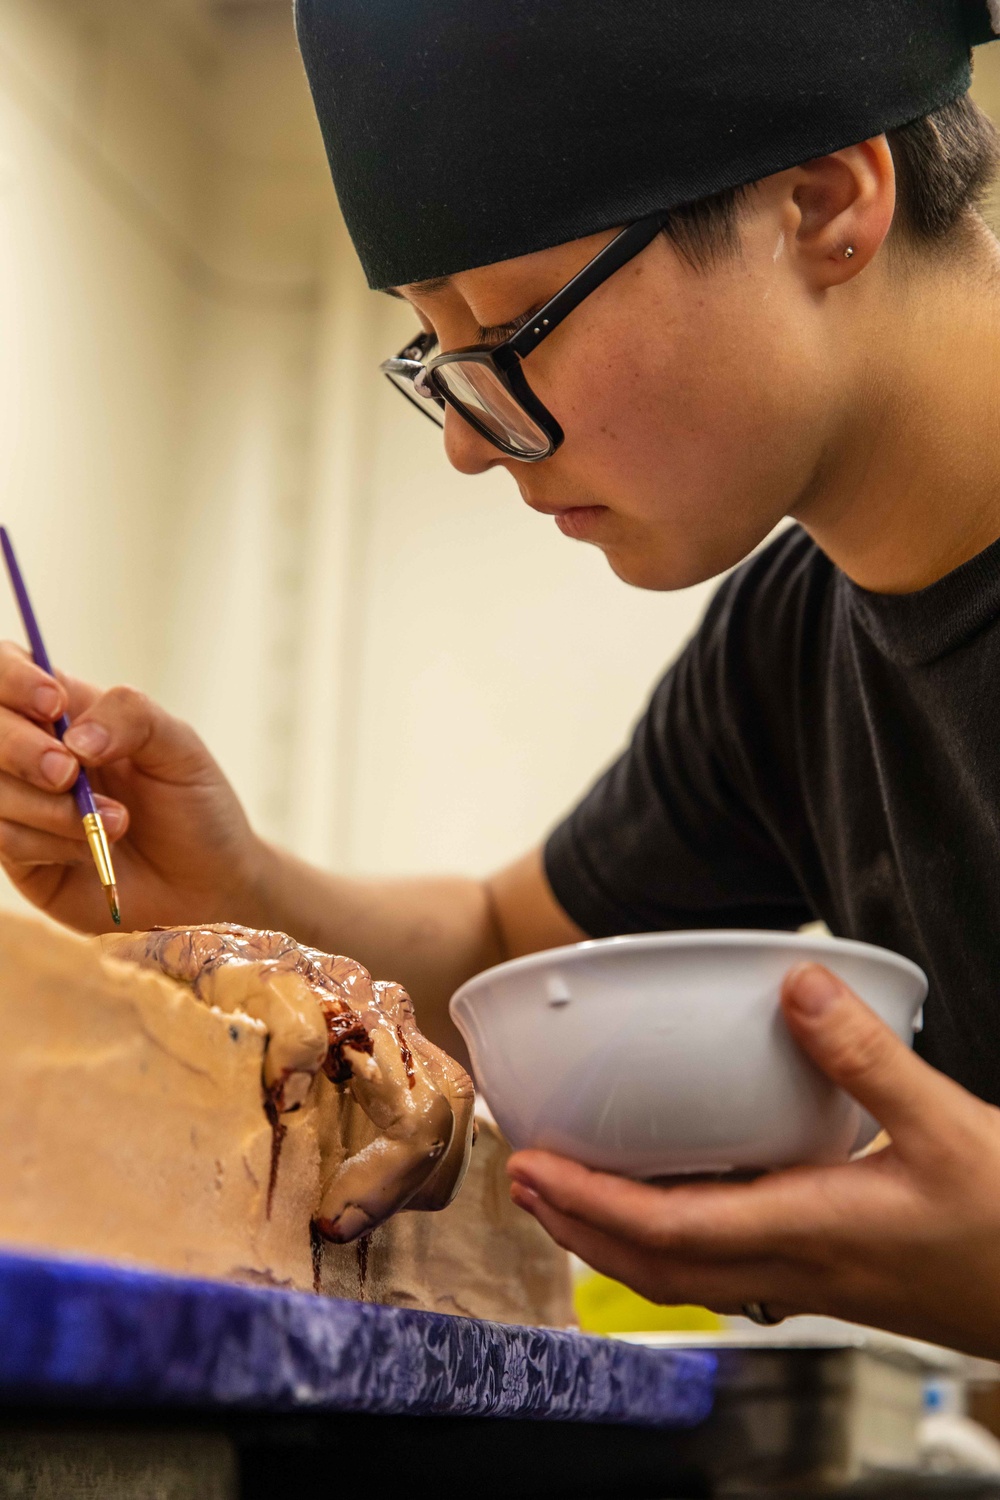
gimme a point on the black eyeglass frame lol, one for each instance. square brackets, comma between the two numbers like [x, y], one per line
[505, 359]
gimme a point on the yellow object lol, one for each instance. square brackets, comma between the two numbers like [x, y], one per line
[99, 848]
[605, 1306]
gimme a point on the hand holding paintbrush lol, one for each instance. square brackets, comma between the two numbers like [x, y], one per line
[82, 793]
[184, 851]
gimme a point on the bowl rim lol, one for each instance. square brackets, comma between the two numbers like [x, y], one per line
[722, 937]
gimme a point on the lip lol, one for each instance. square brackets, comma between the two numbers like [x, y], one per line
[580, 521]
[559, 510]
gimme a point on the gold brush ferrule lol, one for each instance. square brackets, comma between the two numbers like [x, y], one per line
[98, 841]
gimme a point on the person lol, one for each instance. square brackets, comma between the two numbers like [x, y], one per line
[689, 270]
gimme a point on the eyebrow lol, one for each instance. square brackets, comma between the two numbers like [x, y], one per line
[422, 288]
[438, 284]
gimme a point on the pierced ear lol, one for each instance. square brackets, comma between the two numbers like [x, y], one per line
[845, 203]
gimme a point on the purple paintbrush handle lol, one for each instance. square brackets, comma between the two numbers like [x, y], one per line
[82, 794]
[35, 641]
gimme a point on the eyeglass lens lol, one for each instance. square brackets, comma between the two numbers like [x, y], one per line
[475, 387]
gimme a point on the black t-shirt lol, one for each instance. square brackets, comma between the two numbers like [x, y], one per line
[819, 751]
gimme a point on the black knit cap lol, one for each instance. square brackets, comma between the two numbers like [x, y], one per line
[463, 132]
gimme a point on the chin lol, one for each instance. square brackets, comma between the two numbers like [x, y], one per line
[645, 570]
[680, 558]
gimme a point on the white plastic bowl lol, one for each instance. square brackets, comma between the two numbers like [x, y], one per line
[667, 1052]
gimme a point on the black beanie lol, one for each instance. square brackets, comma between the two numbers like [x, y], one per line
[463, 132]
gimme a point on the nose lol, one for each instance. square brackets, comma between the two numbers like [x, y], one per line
[466, 449]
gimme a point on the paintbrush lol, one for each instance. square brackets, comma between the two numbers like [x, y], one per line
[93, 827]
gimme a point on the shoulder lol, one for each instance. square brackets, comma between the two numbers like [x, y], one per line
[774, 609]
[763, 639]
[779, 586]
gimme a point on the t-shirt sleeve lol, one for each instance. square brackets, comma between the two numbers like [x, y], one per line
[673, 835]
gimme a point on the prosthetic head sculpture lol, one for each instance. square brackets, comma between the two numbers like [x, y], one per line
[718, 381]
[325, 1013]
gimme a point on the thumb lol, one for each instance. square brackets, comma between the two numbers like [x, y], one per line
[856, 1050]
[124, 724]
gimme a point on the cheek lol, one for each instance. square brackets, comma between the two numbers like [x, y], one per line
[701, 400]
[699, 436]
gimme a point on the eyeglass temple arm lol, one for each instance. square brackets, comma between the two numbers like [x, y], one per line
[620, 250]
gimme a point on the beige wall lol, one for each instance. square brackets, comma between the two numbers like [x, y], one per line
[93, 342]
[217, 497]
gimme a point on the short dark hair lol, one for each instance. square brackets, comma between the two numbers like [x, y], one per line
[945, 163]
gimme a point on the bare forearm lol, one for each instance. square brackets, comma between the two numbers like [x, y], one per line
[429, 933]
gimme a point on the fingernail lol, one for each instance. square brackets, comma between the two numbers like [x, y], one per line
[524, 1196]
[46, 701]
[112, 817]
[87, 739]
[813, 988]
[517, 1175]
[57, 768]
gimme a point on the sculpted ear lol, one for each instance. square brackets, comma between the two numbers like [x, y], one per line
[842, 201]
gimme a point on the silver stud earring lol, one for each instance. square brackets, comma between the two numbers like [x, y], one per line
[848, 252]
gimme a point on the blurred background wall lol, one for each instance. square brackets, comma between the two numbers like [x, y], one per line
[218, 498]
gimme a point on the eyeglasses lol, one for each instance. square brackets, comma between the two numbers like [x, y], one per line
[486, 385]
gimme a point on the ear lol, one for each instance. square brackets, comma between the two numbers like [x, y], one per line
[844, 201]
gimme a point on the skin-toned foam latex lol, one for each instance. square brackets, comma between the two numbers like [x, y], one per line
[324, 1013]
